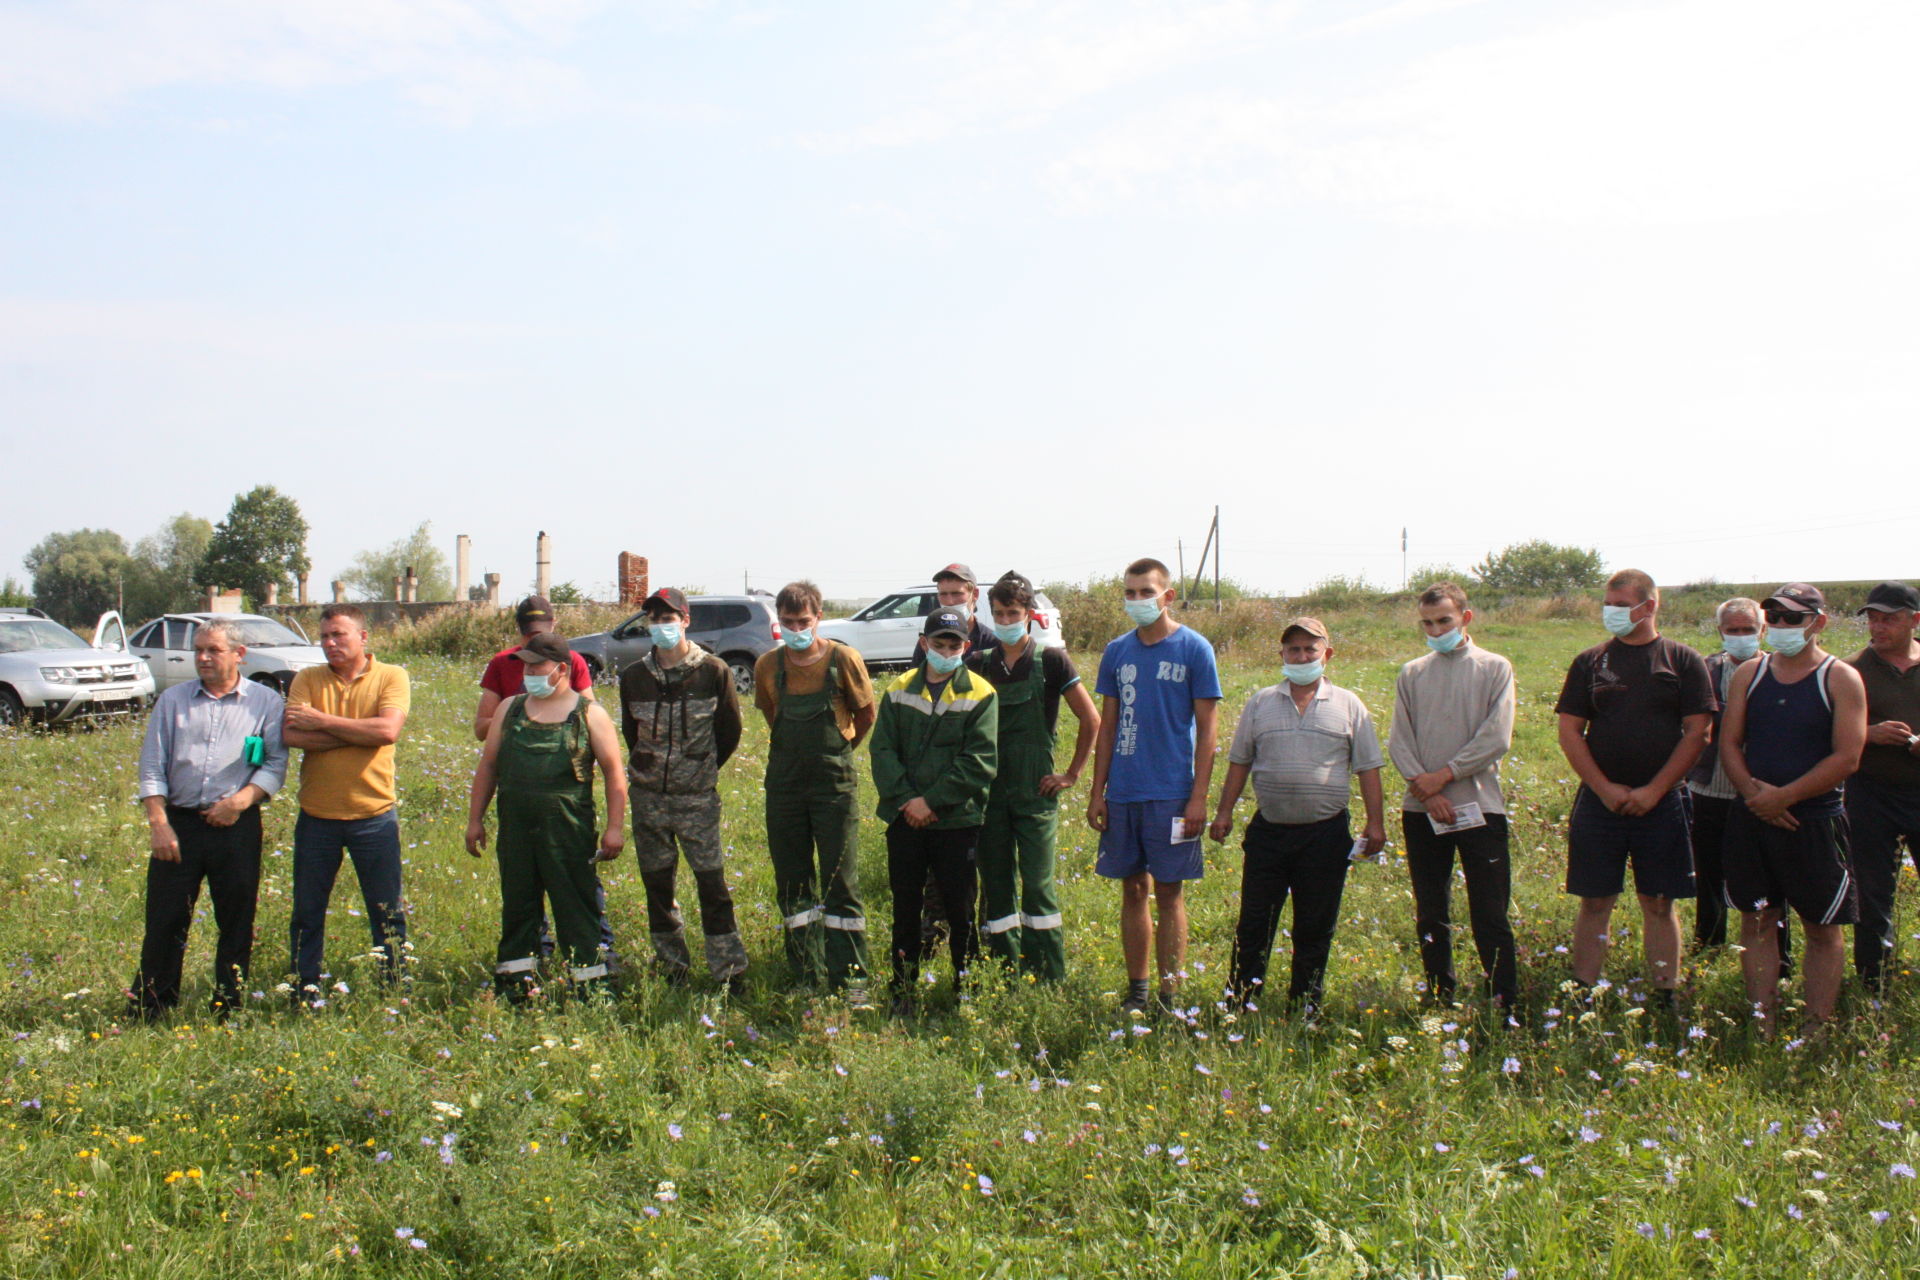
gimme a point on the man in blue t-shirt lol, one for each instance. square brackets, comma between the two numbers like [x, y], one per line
[1159, 704]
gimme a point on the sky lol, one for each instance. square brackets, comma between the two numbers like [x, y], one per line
[766, 291]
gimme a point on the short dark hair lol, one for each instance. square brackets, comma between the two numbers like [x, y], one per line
[1147, 564]
[351, 612]
[1443, 593]
[798, 597]
[1012, 588]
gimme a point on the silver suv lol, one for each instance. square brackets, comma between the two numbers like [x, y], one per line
[51, 676]
[738, 628]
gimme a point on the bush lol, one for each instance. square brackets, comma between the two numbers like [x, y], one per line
[1539, 566]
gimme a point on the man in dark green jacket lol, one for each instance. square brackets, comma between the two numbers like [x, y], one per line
[934, 755]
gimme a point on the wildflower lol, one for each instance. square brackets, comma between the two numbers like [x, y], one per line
[1202, 1069]
[986, 1185]
[1878, 1215]
[1442, 1147]
[1891, 1126]
[447, 1109]
[1649, 1144]
[666, 1193]
[1901, 1171]
[1250, 1198]
[1645, 1229]
[674, 1132]
[381, 1157]
[1793, 1211]
[1745, 1203]
[1704, 1233]
[1029, 1135]
[1589, 1135]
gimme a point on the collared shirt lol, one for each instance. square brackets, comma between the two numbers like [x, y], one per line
[349, 783]
[1892, 694]
[195, 751]
[1301, 759]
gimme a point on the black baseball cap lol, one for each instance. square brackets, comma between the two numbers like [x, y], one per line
[672, 597]
[533, 609]
[548, 646]
[956, 570]
[1803, 596]
[945, 622]
[1891, 597]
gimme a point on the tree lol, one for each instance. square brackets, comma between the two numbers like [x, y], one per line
[78, 576]
[263, 540]
[165, 565]
[1539, 566]
[371, 575]
[14, 594]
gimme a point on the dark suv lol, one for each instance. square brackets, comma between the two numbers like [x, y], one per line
[738, 628]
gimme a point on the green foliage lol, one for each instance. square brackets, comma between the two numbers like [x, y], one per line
[263, 540]
[15, 594]
[568, 592]
[371, 575]
[1425, 575]
[79, 575]
[1538, 566]
[164, 565]
[1341, 591]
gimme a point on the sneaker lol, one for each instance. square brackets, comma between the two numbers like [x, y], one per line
[1134, 1005]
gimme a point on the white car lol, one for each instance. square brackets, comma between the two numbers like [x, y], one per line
[52, 676]
[887, 631]
[274, 651]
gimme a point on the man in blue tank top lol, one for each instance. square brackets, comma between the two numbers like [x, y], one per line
[1795, 725]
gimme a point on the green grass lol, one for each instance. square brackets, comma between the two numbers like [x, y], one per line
[672, 1133]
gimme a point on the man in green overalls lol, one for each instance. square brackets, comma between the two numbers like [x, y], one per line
[1016, 852]
[540, 754]
[818, 700]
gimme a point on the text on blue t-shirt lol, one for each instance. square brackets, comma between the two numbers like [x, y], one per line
[1156, 686]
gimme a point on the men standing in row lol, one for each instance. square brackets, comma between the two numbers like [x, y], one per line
[213, 755]
[346, 717]
[1883, 799]
[1795, 724]
[1017, 844]
[1453, 710]
[1299, 741]
[818, 701]
[1159, 708]
[1634, 716]
[681, 719]
[934, 757]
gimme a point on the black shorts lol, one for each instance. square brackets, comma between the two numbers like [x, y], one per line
[1809, 869]
[1600, 843]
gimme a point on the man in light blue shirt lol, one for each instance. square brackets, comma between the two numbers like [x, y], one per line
[213, 755]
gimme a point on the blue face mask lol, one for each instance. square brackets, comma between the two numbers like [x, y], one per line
[1741, 647]
[538, 686]
[666, 635]
[943, 663]
[1618, 618]
[798, 639]
[1143, 613]
[1446, 641]
[1304, 672]
[1787, 641]
[1010, 633]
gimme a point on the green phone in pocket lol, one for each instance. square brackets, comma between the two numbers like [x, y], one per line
[255, 750]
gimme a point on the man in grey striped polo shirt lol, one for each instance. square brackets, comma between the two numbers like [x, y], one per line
[1299, 741]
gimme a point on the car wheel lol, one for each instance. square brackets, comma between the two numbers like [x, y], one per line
[278, 683]
[741, 664]
[13, 712]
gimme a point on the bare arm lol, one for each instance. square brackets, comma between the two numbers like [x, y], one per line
[1102, 764]
[605, 742]
[1373, 799]
[863, 718]
[164, 844]
[310, 739]
[1080, 702]
[1693, 739]
[486, 776]
[1206, 735]
[1229, 796]
[380, 730]
[483, 714]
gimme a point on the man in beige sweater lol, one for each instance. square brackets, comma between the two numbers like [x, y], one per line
[1452, 721]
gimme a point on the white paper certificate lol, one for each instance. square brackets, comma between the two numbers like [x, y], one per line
[1465, 818]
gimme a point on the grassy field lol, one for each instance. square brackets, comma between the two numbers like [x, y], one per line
[1029, 1132]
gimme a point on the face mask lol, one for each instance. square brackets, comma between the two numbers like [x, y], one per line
[666, 635]
[1446, 641]
[1787, 641]
[1618, 618]
[1010, 633]
[538, 686]
[798, 639]
[1143, 613]
[1303, 672]
[943, 663]
[1741, 647]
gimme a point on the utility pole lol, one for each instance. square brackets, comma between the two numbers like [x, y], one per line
[1404, 583]
[1216, 559]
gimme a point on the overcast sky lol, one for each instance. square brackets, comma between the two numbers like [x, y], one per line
[852, 290]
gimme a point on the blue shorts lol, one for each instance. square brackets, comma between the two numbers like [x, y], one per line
[1136, 840]
[1600, 844]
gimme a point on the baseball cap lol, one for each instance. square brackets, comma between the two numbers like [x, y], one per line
[672, 597]
[957, 570]
[945, 622]
[548, 646]
[1803, 596]
[533, 609]
[1312, 626]
[1891, 597]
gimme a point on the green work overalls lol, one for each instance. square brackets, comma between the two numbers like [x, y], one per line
[1019, 836]
[549, 833]
[811, 792]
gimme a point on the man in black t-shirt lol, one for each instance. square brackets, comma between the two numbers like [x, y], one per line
[1634, 715]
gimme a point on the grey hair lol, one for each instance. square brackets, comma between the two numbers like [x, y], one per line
[1739, 604]
[220, 626]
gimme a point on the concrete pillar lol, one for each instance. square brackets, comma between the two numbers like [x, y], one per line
[412, 585]
[493, 589]
[339, 591]
[303, 589]
[273, 594]
[399, 587]
[209, 599]
[462, 564]
[632, 578]
[542, 564]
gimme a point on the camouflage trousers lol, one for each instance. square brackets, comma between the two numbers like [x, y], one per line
[665, 829]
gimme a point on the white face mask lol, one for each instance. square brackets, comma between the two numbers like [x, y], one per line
[1787, 641]
[1618, 618]
[1143, 613]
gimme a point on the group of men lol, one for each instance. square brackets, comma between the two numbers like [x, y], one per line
[1757, 781]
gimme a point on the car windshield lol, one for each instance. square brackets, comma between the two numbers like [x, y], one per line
[262, 633]
[27, 634]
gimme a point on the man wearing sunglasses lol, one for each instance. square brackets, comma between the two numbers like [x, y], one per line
[1796, 721]
[1883, 799]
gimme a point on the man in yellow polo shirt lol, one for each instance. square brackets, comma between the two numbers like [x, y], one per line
[346, 716]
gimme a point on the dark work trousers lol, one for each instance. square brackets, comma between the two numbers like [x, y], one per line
[228, 859]
[1484, 860]
[1709, 827]
[1879, 818]
[1310, 862]
[945, 855]
[374, 845]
